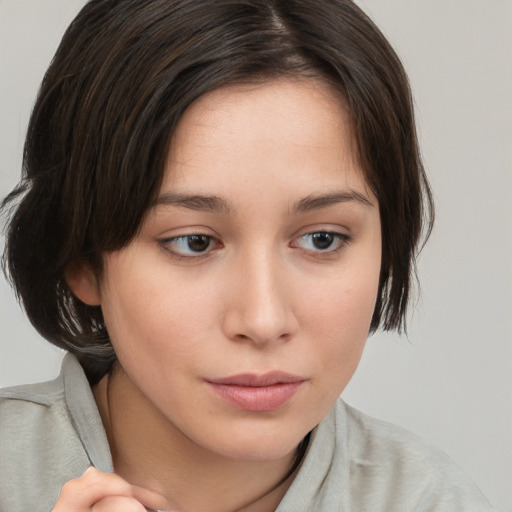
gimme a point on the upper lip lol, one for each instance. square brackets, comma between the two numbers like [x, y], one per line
[258, 380]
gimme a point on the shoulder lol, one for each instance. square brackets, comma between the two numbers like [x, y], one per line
[43, 394]
[391, 465]
[41, 443]
[355, 462]
[370, 438]
[34, 411]
[25, 411]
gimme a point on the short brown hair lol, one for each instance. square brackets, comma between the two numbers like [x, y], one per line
[121, 79]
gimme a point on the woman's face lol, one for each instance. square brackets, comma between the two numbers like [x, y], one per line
[241, 309]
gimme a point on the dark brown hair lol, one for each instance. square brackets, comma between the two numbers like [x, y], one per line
[99, 134]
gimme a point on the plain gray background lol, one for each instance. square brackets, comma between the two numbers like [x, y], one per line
[450, 381]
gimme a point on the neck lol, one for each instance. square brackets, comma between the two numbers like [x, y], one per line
[149, 451]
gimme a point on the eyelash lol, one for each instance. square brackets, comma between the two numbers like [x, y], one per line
[339, 239]
[167, 242]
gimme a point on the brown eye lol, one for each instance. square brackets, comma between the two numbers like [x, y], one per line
[198, 243]
[322, 242]
[188, 246]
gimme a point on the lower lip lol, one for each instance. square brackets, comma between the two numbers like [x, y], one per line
[257, 398]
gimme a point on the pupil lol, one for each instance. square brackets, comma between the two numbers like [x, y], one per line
[198, 243]
[322, 240]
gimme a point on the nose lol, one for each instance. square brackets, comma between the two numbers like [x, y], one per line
[260, 306]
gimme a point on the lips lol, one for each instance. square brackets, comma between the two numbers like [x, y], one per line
[257, 393]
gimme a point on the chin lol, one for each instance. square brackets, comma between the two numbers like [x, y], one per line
[260, 444]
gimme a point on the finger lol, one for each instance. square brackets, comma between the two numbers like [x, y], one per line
[118, 504]
[81, 493]
[93, 486]
[152, 500]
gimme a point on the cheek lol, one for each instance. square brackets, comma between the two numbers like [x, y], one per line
[344, 303]
[337, 318]
[132, 306]
[341, 325]
[153, 317]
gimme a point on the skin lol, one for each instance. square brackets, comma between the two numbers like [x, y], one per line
[259, 292]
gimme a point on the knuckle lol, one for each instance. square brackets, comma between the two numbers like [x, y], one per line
[91, 471]
[71, 486]
[118, 504]
[89, 476]
[95, 483]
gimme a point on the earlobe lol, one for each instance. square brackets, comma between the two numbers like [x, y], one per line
[83, 283]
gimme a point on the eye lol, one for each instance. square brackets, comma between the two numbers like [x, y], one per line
[322, 242]
[189, 246]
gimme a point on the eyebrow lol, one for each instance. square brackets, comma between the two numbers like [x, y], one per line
[315, 202]
[215, 204]
[212, 204]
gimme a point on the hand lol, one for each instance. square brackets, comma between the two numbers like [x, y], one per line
[106, 492]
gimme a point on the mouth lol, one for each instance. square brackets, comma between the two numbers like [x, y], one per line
[257, 393]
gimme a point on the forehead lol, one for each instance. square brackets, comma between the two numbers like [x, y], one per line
[280, 131]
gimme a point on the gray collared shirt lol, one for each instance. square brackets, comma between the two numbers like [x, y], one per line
[52, 432]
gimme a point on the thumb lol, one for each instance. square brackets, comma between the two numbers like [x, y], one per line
[153, 501]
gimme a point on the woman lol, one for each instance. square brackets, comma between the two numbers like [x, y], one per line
[222, 200]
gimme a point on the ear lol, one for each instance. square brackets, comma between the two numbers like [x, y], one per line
[83, 283]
